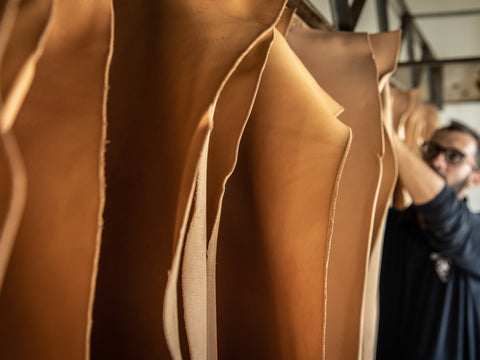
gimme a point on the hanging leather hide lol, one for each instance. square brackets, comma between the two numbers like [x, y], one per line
[385, 48]
[357, 89]
[183, 77]
[278, 210]
[46, 298]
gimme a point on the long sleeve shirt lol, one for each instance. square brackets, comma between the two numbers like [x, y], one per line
[430, 282]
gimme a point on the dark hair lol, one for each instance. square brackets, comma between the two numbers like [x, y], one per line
[458, 126]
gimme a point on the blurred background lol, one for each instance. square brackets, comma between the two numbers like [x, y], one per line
[440, 50]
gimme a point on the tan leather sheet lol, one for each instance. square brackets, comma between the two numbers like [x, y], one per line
[21, 52]
[185, 78]
[175, 65]
[275, 230]
[45, 302]
[421, 124]
[343, 65]
[23, 29]
[385, 48]
[402, 107]
[414, 122]
[234, 106]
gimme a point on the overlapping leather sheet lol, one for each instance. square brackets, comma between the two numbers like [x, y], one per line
[344, 65]
[414, 122]
[385, 47]
[421, 123]
[184, 75]
[45, 300]
[275, 229]
[217, 135]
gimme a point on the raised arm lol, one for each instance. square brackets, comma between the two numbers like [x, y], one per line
[421, 181]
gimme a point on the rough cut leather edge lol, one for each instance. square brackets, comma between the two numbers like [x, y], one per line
[212, 233]
[349, 252]
[286, 70]
[386, 67]
[370, 310]
[330, 236]
[170, 306]
[263, 46]
[102, 182]
[385, 51]
[285, 21]
[11, 103]
[171, 329]
[194, 265]
[264, 41]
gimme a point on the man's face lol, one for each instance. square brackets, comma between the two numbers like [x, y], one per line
[457, 175]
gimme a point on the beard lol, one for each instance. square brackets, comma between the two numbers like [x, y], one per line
[458, 186]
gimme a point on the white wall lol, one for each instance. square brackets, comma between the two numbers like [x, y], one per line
[449, 37]
[469, 114]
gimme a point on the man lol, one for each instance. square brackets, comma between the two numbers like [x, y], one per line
[430, 276]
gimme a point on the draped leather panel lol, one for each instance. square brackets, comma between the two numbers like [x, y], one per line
[174, 65]
[414, 122]
[275, 229]
[46, 298]
[217, 135]
[385, 47]
[348, 72]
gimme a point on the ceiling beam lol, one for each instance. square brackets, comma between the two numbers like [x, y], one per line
[308, 14]
[473, 12]
[437, 62]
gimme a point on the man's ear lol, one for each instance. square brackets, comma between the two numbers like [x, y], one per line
[474, 179]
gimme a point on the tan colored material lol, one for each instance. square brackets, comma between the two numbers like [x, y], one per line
[185, 77]
[385, 48]
[285, 21]
[402, 107]
[233, 108]
[12, 197]
[420, 125]
[24, 47]
[276, 220]
[414, 122]
[22, 33]
[176, 64]
[349, 74]
[46, 298]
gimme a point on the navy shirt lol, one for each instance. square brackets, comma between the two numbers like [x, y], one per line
[430, 282]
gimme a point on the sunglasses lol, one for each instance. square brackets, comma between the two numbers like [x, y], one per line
[430, 151]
